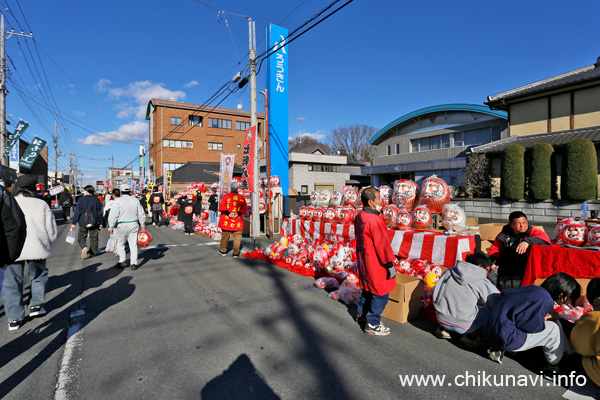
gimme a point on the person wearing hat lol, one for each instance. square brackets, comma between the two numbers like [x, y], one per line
[126, 218]
[88, 213]
[66, 202]
[41, 234]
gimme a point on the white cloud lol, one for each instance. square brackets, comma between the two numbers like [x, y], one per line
[102, 84]
[319, 135]
[191, 84]
[135, 130]
[78, 113]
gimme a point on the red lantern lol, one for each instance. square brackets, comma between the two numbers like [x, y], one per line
[390, 213]
[421, 217]
[144, 238]
[435, 193]
[574, 234]
[405, 193]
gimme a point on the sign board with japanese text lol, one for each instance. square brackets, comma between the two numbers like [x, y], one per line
[32, 152]
[226, 173]
[248, 160]
[56, 190]
[277, 85]
[15, 137]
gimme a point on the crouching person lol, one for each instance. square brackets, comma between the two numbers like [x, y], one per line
[522, 319]
[461, 295]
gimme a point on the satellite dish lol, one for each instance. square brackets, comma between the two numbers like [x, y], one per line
[239, 106]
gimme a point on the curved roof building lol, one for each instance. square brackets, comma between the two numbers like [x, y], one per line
[433, 140]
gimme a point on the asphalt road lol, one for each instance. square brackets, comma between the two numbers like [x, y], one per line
[190, 324]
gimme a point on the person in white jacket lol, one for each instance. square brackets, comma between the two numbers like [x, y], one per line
[41, 234]
[125, 219]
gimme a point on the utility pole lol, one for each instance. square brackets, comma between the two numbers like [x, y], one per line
[3, 91]
[112, 171]
[254, 122]
[56, 152]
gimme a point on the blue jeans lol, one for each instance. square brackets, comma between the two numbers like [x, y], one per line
[371, 306]
[213, 216]
[12, 287]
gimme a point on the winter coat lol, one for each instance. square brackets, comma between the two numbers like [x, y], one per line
[156, 201]
[65, 199]
[459, 293]
[87, 204]
[13, 228]
[585, 339]
[519, 311]
[373, 252]
[186, 210]
[126, 209]
[508, 240]
[198, 203]
[232, 203]
[41, 228]
[213, 202]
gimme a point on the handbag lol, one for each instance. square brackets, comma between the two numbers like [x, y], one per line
[111, 245]
[71, 236]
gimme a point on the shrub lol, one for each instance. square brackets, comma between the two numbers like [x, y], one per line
[580, 171]
[512, 186]
[540, 171]
[476, 179]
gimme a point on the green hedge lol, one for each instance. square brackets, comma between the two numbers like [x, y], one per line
[580, 171]
[540, 172]
[512, 185]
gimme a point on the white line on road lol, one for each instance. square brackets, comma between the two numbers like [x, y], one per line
[67, 374]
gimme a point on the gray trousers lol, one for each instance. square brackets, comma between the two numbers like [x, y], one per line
[127, 233]
[12, 287]
[552, 339]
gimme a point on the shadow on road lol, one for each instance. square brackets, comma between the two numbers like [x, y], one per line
[240, 381]
[98, 302]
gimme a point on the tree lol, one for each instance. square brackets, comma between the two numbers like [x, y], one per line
[512, 185]
[476, 180]
[353, 140]
[580, 171]
[299, 143]
[540, 172]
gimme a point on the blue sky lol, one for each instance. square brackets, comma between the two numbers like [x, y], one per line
[370, 63]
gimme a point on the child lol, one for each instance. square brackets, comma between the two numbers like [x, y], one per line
[585, 336]
[521, 320]
[461, 294]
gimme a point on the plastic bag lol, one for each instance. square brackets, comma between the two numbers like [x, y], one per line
[111, 245]
[71, 236]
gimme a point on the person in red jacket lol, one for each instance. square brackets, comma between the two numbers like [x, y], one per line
[374, 256]
[510, 249]
[232, 208]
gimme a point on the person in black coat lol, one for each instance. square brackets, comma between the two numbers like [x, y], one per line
[88, 213]
[156, 206]
[13, 228]
[65, 199]
[186, 213]
[143, 201]
[198, 205]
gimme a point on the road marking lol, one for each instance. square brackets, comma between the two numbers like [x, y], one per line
[67, 375]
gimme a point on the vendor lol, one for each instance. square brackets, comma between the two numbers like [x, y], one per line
[510, 249]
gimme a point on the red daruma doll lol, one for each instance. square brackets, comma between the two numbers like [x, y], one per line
[403, 220]
[386, 195]
[435, 193]
[390, 214]
[302, 214]
[574, 234]
[144, 238]
[594, 236]
[405, 193]
[350, 197]
[421, 217]
[275, 181]
[329, 215]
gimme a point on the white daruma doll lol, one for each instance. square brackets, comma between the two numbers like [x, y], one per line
[405, 193]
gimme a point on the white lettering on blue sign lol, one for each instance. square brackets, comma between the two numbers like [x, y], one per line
[279, 76]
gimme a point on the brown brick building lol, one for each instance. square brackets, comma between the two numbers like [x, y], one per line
[181, 132]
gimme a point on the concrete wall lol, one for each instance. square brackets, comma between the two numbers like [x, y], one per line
[300, 175]
[546, 211]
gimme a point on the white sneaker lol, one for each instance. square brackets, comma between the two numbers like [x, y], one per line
[84, 252]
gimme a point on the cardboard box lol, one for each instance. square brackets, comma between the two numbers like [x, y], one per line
[472, 221]
[490, 231]
[405, 300]
[485, 245]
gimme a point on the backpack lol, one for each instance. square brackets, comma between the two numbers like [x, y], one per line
[89, 220]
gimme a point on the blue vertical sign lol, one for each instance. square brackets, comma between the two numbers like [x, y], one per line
[277, 85]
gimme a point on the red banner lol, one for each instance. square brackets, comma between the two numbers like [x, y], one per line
[248, 160]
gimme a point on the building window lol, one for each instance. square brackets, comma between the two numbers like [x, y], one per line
[397, 148]
[175, 121]
[414, 145]
[215, 146]
[219, 123]
[496, 133]
[172, 166]
[445, 141]
[458, 139]
[178, 144]
[389, 150]
[324, 168]
[304, 189]
[195, 120]
[242, 126]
